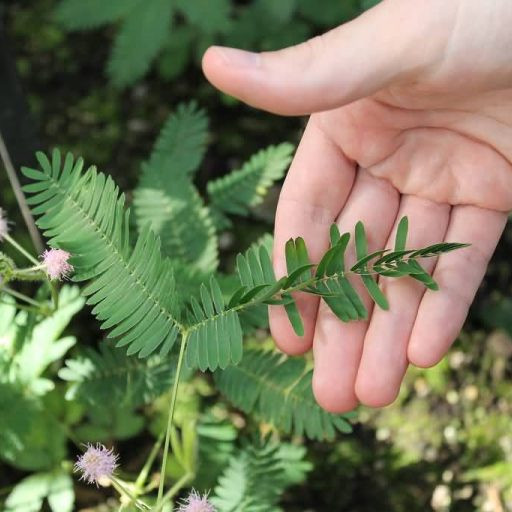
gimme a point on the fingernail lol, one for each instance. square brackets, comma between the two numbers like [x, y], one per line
[235, 57]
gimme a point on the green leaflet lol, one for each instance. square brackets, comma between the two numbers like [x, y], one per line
[132, 290]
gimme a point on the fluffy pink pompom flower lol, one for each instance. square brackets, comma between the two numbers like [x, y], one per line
[97, 462]
[4, 227]
[196, 503]
[56, 263]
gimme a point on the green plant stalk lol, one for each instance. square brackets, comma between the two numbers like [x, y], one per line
[176, 488]
[170, 418]
[26, 308]
[123, 491]
[143, 475]
[20, 197]
[23, 251]
[22, 296]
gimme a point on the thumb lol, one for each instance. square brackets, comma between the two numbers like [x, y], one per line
[350, 62]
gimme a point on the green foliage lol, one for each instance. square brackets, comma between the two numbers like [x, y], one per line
[41, 345]
[100, 379]
[215, 334]
[278, 391]
[83, 213]
[210, 16]
[80, 15]
[28, 495]
[30, 438]
[174, 32]
[181, 144]
[244, 188]
[257, 475]
[140, 39]
[167, 200]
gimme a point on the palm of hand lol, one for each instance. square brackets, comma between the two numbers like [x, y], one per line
[378, 159]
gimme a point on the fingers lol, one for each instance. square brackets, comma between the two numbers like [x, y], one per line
[350, 62]
[311, 198]
[384, 360]
[441, 314]
[337, 346]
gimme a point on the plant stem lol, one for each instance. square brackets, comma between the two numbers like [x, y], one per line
[20, 197]
[170, 418]
[123, 491]
[22, 296]
[17, 246]
[25, 308]
[143, 475]
[175, 489]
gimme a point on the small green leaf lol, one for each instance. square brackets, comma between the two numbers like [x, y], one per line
[292, 261]
[361, 243]
[375, 292]
[302, 252]
[335, 235]
[295, 319]
[401, 234]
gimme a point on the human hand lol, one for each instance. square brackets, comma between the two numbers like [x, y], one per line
[411, 109]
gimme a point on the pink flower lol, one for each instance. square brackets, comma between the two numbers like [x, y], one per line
[95, 463]
[56, 263]
[196, 503]
[4, 226]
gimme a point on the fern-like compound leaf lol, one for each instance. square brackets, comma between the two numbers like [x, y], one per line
[132, 290]
[244, 188]
[215, 335]
[139, 40]
[254, 479]
[173, 209]
[167, 200]
[181, 144]
[278, 390]
[99, 378]
[80, 15]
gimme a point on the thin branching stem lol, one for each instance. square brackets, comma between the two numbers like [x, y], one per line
[182, 482]
[20, 197]
[143, 475]
[22, 296]
[170, 418]
[23, 251]
[124, 491]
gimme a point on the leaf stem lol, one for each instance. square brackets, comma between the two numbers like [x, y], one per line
[124, 491]
[143, 475]
[20, 197]
[22, 296]
[170, 418]
[176, 488]
[23, 251]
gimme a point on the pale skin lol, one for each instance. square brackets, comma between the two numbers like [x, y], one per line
[410, 114]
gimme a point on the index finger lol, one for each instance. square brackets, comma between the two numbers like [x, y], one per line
[313, 194]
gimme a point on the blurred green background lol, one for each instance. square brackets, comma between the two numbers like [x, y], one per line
[446, 444]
